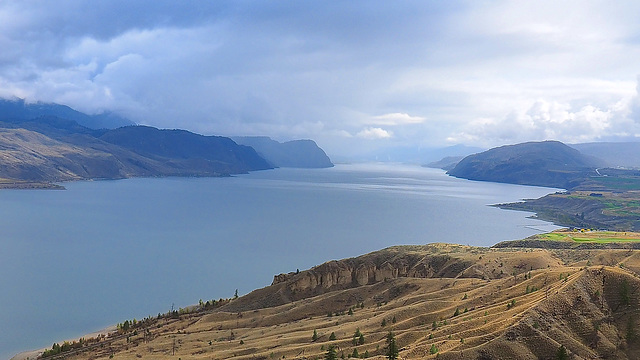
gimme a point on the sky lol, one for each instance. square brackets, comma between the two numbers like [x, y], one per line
[355, 76]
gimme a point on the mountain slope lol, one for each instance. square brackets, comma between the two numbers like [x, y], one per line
[49, 149]
[216, 153]
[295, 154]
[547, 163]
[439, 300]
[31, 156]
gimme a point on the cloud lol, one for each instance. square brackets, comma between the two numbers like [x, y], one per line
[552, 120]
[480, 72]
[394, 119]
[372, 133]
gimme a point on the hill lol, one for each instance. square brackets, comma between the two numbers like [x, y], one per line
[36, 152]
[547, 163]
[35, 158]
[186, 152]
[294, 154]
[438, 300]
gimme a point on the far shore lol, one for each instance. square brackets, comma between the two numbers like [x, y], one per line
[26, 185]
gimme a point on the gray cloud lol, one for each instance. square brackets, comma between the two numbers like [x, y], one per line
[460, 71]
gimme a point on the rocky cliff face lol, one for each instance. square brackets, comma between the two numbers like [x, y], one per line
[365, 271]
[425, 262]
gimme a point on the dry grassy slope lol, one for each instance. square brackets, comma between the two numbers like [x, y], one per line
[31, 156]
[63, 154]
[593, 313]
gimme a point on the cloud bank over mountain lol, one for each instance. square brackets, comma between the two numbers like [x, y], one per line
[354, 76]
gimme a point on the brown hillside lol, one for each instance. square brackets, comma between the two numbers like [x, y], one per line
[512, 304]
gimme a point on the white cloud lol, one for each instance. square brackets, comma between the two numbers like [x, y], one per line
[395, 119]
[373, 133]
[552, 120]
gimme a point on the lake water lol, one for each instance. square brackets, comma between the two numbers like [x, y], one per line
[76, 261]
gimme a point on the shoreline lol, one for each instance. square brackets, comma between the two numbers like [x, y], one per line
[25, 185]
[33, 354]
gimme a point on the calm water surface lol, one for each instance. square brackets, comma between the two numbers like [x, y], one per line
[76, 261]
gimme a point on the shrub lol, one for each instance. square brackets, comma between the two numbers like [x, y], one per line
[561, 354]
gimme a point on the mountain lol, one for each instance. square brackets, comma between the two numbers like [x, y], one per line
[34, 152]
[547, 163]
[293, 154]
[58, 155]
[615, 154]
[529, 299]
[17, 109]
[181, 147]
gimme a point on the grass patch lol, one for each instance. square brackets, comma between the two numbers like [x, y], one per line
[582, 236]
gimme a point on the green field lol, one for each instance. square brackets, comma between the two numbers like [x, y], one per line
[618, 183]
[600, 237]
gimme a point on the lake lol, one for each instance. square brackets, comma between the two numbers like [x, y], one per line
[101, 252]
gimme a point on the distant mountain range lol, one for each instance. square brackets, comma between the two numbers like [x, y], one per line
[44, 152]
[547, 163]
[45, 143]
[296, 153]
[615, 154]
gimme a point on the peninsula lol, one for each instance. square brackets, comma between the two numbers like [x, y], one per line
[573, 293]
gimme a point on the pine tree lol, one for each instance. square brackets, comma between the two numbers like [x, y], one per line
[331, 353]
[392, 350]
[315, 335]
[332, 336]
